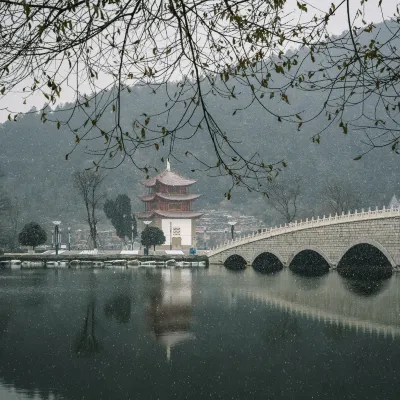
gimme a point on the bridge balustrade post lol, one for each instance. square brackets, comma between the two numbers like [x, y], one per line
[384, 208]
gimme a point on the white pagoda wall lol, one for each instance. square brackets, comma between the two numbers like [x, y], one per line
[186, 230]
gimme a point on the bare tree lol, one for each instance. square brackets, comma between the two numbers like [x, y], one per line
[9, 224]
[5, 202]
[88, 183]
[283, 197]
[340, 197]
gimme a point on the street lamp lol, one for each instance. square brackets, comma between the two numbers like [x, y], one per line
[232, 224]
[69, 238]
[56, 235]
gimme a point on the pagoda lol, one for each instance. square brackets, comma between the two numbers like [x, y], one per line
[168, 206]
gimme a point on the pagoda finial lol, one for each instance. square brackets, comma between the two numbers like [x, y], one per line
[168, 165]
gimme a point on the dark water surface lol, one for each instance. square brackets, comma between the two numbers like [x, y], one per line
[181, 334]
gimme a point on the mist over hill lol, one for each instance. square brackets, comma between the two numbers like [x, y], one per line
[37, 173]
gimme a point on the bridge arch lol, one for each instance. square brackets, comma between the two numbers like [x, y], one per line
[372, 243]
[268, 251]
[267, 262]
[235, 262]
[309, 248]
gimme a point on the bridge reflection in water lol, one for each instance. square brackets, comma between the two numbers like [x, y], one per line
[363, 305]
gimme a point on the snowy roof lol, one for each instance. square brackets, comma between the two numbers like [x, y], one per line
[394, 203]
[166, 196]
[168, 214]
[169, 178]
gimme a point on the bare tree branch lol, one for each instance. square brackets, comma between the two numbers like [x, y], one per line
[88, 184]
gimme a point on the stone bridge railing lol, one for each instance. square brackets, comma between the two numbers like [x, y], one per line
[265, 233]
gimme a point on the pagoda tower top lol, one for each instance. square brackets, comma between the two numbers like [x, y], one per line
[168, 178]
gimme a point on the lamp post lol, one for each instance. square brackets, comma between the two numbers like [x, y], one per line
[232, 224]
[69, 238]
[56, 235]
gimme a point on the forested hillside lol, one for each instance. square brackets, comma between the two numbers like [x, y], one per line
[37, 173]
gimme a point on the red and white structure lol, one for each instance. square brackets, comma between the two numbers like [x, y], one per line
[168, 205]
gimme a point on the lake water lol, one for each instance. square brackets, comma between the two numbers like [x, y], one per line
[181, 334]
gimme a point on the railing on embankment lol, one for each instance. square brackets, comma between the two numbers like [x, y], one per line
[265, 233]
[100, 258]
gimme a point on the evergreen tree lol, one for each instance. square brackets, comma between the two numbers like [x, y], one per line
[33, 235]
[152, 236]
[119, 212]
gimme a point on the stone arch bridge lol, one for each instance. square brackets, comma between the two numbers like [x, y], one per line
[331, 237]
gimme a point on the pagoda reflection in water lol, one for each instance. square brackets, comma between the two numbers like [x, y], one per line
[170, 309]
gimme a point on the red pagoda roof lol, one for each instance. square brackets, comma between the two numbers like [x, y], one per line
[168, 214]
[166, 196]
[169, 178]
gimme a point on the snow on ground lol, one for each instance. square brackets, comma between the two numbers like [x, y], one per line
[174, 252]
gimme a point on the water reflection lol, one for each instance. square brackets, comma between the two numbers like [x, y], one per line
[86, 343]
[227, 335]
[309, 282]
[170, 309]
[119, 307]
[366, 287]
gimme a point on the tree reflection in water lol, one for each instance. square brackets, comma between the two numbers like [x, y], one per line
[119, 307]
[86, 343]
